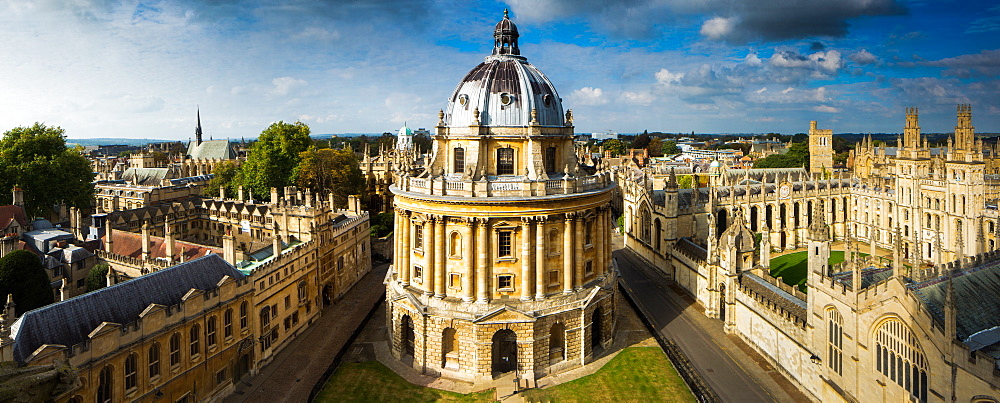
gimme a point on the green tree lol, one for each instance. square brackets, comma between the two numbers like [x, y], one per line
[23, 276]
[670, 147]
[329, 170]
[685, 181]
[273, 157]
[615, 146]
[97, 278]
[382, 224]
[37, 160]
[422, 142]
[641, 141]
[225, 176]
[655, 147]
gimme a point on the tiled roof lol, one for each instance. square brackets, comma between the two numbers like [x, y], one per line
[70, 322]
[130, 244]
[12, 213]
[145, 176]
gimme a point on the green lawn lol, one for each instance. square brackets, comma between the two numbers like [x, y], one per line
[373, 382]
[637, 374]
[792, 268]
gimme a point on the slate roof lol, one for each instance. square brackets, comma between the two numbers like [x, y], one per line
[976, 301]
[12, 213]
[70, 322]
[869, 276]
[212, 149]
[130, 244]
[145, 176]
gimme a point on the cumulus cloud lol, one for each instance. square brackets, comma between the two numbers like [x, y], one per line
[637, 98]
[825, 109]
[717, 28]
[863, 57]
[664, 76]
[588, 96]
[285, 85]
[827, 63]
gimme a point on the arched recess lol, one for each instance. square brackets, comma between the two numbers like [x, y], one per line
[721, 222]
[449, 348]
[657, 233]
[557, 343]
[504, 351]
[406, 335]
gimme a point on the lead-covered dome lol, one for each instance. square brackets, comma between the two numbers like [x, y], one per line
[504, 89]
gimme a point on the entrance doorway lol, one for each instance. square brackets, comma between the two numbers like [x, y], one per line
[407, 335]
[722, 302]
[595, 332]
[504, 351]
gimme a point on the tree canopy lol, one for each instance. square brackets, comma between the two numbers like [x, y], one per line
[97, 278]
[796, 157]
[615, 146]
[655, 147]
[670, 147]
[273, 157]
[23, 276]
[37, 160]
[328, 170]
[641, 141]
[225, 175]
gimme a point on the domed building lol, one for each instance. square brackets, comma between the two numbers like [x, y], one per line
[503, 252]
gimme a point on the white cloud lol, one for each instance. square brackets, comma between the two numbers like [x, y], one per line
[588, 96]
[285, 85]
[637, 98]
[828, 62]
[665, 77]
[717, 28]
[826, 109]
[863, 57]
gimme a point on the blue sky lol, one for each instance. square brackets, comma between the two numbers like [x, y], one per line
[104, 68]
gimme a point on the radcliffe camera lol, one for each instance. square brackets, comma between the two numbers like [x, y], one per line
[500, 201]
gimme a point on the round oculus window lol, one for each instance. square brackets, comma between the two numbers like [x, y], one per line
[463, 99]
[506, 98]
[547, 100]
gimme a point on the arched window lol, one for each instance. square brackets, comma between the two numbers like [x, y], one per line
[899, 358]
[105, 383]
[646, 225]
[505, 161]
[154, 360]
[835, 341]
[195, 340]
[227, 323]
[459, 160]
[131, 368]
[455, 247]
[175, 349]
[210, 331]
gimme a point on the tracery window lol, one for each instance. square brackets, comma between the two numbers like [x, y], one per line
[104, 385]
[175, 349]
[195, 340]
[899, 358]
[835, 341]
[154, 360]
[131, 368]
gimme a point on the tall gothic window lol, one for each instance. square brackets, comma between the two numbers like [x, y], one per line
[195, 340]
[505, 161]
[459, 160]
[899, 358]
[227, 323]
[835, 341]
[104, 385]
[154, 360]
[131, 369]
[175, 349]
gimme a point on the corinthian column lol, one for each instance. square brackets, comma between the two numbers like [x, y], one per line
[440, 263]
[527, 268]
[428, 245]
[483, 249]
[568, 254]
[469, 258]
[540, 258]
[599, 231]
[579, 222]
[404, 251]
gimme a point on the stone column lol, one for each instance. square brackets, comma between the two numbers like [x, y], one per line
[428, 244]
[599, 242]
[540, 257]
[440, 256]
[578, 223]
[404, 250]
[483, 249]
[568, 254]
[527, 266]
[469, 257]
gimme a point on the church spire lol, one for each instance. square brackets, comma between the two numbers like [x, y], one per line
[197, 129]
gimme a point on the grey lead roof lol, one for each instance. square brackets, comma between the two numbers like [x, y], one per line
[70, 322]
[976, 303]
[211, 150]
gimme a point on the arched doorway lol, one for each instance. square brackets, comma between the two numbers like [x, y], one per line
[406, 335]
[595, 332]
[504, 351]
[784, 238]
[722, 302]
[242, 367]
[327, 295]
[720, 223]
[753, 218]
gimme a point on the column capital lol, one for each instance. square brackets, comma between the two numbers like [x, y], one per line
[541, 218]
[526, 221]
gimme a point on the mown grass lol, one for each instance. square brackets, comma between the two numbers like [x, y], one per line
[793, 267]
[637, 374]
[373, 382]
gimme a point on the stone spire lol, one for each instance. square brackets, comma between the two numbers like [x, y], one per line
[197, 129]
[950, 311]
[818, 230]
